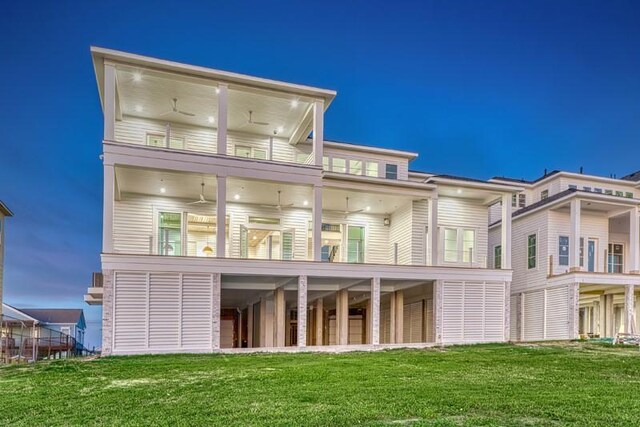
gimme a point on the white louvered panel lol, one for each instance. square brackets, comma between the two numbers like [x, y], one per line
[494, 303]
[164, 310]
[130, 311]
[533, 316]
[413, 322]
[557, 319]
[429, 321]
[385, 326]
[452, 312]
[355, 329]
[196, 311]
[474, 309]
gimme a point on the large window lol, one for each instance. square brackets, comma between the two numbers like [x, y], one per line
[170, 233]
[451, 245]
[325, 163]
[563, 250]
[201, 235]
[391, 171]
[497, 257]
[355, 244]
[355, 167]
[615, 258]
[532, 251]
[339, 165]
[372, 169]
[159, 140]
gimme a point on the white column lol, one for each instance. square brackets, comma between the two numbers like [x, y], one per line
[302, 311]
[375, 311]
[280, 311]
[574, 236]
[634, 241]
[109, 99]
[399, 324]
[223, 99]
[629, 309]
[319, 321]
[392, 318]
[432, 223]
[108, 197]
[221, 216]
[342, 317]
[316, 223]
[215, 311]
[318, 131]
[505, 239]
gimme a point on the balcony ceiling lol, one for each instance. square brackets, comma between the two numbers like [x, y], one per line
[149, 94]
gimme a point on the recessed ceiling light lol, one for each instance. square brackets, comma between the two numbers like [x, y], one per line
[217, 90]
[139, 108]
[294, 103]
[305, 203]
[459, 191]
[137, 76]
[163, 190]
[368, 208]
[211, 119]
[236, 196]
[280, 129]
[254, 237]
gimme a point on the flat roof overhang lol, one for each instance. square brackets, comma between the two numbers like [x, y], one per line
[592, 278]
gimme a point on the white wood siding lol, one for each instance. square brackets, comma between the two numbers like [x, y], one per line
[401, 233]
[524, 278]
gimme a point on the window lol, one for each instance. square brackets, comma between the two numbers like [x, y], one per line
[597, 190]
[201, 235]
[287, 245]
[258, 153]
[514, 200]
[615, 258]
[355, 167]
[372, 169]
[522, 200]
[391, 171]
[532, 250]
[331, 250]
[169, 233]
[339, 165]
[451, 245]
[325, 163]
[563, 250]
[497, 257]
[581, 252]
[619, 193]
[628, 195]
[608, 192]
[355, 244]
[544, 194]
[301, 158]
[468, 242]
[159, 140]
[573, 187]
[587, 189]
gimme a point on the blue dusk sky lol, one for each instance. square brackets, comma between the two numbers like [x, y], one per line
[477, 88]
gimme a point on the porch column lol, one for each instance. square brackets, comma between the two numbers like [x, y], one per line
[223, 97]
[634, 241]
[280, 311]
[574, 304]
[399, 323]
[109, 97]
[602, 319]
[221, 216]
[215, 311]
[319, 321]
[250, 326]
[107, 209]
[505, 240]
[392, 318]
[574, 236]
[432, 224]
[318, 131]
[342, 317]
[629, 309]
[375, 311]
[302, 311]
[316, 223]
[610, 316]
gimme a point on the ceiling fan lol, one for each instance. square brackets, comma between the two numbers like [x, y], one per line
[347, 212]
[174, 109]
[279, 206]
[250, 121]
[201, 200]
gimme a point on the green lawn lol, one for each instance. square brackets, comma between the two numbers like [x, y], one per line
[577, 384]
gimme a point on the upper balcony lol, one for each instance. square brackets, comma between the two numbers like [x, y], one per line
[157, 103]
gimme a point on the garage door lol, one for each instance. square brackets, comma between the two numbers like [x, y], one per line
[473, 312]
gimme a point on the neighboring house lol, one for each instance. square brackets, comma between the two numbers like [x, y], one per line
[229, 221]
[68, 321]
[4, 213]
[576, 260]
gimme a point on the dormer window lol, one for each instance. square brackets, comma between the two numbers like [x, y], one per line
[391, 171]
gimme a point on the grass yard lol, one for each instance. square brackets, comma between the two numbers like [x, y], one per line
[573, 384]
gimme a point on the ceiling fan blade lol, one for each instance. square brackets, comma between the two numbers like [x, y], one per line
[353, 212]
[197, 202]
[260, 123]
[165, 113]
[287, 206]
[269, 206]
[186, 113]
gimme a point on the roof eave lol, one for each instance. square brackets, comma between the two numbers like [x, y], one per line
[5, 210]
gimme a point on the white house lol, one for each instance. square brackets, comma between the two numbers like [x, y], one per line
[576, 260]
[231, 222]
[4, 213]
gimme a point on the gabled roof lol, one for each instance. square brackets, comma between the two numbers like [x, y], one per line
[4, 209]
[633, 177]
[70, 316]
